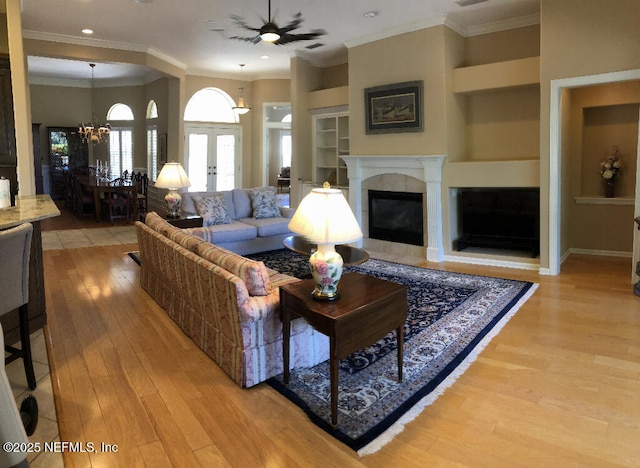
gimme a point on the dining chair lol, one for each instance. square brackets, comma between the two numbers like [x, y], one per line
[15, 249]
[120, 201]
[84, 200]
[142, 180]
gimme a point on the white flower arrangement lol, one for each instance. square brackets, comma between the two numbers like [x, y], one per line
[610, 168]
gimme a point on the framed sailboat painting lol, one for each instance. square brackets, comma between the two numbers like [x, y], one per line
[394, 108]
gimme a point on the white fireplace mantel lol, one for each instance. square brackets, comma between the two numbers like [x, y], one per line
[427, 168]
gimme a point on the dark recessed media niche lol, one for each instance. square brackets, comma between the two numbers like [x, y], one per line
[503, 218]
[396, 217]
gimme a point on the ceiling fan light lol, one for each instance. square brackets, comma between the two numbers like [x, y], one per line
[269, 33]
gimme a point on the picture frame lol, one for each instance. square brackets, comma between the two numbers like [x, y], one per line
[394, 108]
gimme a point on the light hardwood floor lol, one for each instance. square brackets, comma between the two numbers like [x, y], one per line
[558, 386]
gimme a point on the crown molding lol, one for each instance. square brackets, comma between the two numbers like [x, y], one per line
[72, 83]
[505, 25]
[402, 29]
[81, 41]
[446, 20]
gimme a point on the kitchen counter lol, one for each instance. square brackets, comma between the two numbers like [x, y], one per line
[29, 209]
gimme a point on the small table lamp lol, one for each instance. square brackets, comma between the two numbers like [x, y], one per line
[173, 177]
[325, 218]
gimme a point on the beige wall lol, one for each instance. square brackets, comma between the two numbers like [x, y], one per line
[265, 91]
[413, 56]
[304, 78]
[580, 38]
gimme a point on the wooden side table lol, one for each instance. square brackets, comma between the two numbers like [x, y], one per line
[367, 310]
[183, 222]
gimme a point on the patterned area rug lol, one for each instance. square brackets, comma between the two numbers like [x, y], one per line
[451, 318]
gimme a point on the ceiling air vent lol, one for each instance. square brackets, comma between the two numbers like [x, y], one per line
[315, 46]
[466, 3]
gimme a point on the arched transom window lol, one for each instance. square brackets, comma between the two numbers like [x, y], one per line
[210, 105]
[121, 139]
[152, 110]
[120, 111]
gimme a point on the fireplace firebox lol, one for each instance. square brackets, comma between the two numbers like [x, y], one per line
[396, 217]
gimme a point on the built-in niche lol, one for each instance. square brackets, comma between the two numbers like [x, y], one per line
[600, 117]
[603, 127]
[503, 218]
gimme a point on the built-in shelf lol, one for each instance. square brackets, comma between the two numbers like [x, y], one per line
[605, 201]
[330, 97]
[500, 75]
[330, 142]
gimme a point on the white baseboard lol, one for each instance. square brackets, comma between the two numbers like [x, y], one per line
[495, 262]
[602, 253]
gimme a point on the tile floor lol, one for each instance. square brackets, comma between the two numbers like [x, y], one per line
[80, 238]
[47, 429]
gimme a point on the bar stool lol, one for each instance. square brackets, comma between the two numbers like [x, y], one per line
[12, 427]
[15, 248]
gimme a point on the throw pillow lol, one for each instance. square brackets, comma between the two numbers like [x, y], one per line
[212, 209]
[264, 202]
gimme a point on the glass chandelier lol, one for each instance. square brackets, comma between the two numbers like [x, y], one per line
[92, 131]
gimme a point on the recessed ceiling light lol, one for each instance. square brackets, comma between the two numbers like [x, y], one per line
[264, 57]
[370, 14]
[87, 31]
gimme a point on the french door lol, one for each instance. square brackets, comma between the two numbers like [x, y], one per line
[214, 157]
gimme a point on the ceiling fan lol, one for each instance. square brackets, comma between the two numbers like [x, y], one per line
[270, 32]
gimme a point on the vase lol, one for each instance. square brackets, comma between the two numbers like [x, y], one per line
[609, 189]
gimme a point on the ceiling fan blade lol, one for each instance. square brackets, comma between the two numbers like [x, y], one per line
[294, 24]
[243, 24]
[287, 38]
[252, 40]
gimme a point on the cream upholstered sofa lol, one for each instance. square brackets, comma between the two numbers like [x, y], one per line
[244, 221]
[227, 304]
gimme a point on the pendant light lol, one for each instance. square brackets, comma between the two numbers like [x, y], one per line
[242, 107]
[93, 131]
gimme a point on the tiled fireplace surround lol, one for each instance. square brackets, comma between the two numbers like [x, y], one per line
[417, 174]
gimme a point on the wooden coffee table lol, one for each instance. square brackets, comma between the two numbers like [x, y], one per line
[367, 310]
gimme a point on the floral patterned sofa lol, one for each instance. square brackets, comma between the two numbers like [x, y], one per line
[227, 304]
[244, 221]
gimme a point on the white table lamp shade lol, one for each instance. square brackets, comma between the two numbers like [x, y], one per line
[325, 217]
[172, 176]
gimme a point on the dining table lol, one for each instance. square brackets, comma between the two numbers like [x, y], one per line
[99, 186]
